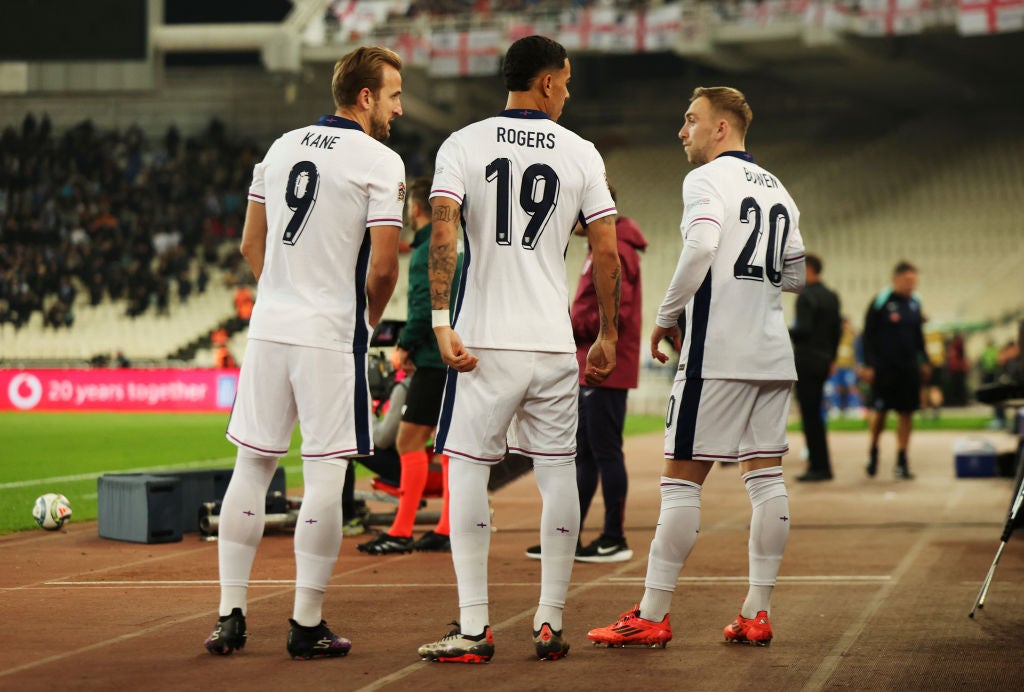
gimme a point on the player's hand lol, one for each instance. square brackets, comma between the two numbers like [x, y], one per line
[453, 353]
[659, 333]
[600, 361]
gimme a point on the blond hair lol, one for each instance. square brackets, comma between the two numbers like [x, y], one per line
[730, 102]
[361, 69]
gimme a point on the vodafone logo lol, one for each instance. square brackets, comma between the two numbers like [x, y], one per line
[25, 391]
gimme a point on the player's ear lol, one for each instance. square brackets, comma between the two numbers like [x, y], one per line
[365, 98]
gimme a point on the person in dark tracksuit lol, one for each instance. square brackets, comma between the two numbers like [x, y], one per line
[602, 408]
[815, 333]
[895, 362]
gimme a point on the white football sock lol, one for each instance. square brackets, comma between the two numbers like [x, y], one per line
[678, 526]
[470, 518]
[317, 536]
[559, 533]
[769, 529]
[240, 525]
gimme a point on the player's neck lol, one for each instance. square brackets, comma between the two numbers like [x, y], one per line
[525, 100]
[360, 117]
[725, 145]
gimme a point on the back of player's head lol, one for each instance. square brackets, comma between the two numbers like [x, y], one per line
[902, 267]
[361, 69]
[528, 57]
[419, 192]
[728, 102]
[814, 262]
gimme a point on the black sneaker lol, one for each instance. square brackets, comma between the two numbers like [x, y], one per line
[315, 642]
[386, 544]
[433, 542]
[605, 549]
[902, 471]
[228, 634]
[872, 467]
[534, 550]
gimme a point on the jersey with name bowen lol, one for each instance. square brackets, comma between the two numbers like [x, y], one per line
[735, 327]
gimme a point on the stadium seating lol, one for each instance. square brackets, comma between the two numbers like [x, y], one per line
[104, 329]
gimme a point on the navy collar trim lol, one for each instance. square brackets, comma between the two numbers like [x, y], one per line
[526, 113]
[746, 156]
[338, 121]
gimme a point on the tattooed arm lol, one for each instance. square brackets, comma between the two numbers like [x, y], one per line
[608, 284]
[444, 256]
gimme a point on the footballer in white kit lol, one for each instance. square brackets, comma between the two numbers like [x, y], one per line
[741, 248]
[522, 181]
[325, 187]
[321, 238]
[517, 183]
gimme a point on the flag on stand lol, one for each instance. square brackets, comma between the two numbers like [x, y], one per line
[989, 16]
[464, 53]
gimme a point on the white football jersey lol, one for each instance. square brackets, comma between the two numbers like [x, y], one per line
[523, 181]
[324, 187]
[735, 328]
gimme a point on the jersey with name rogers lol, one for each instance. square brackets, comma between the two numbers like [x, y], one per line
[324, 187]
[735, 328]
[523, 181]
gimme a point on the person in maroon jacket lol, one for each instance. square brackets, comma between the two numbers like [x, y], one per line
[602, 409]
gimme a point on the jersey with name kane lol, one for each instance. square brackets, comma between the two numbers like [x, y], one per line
[323, 186]
[735, 328]
[523, 182]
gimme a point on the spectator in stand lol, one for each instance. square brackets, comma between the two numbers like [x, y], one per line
[87, 203]
[932, 398]
[845, 388]
[957, 367]
[243, 303]
[222, 358]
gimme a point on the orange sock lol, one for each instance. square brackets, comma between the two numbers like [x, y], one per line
[414, 479]
[443, 527]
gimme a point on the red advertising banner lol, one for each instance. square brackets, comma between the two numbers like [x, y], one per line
[165, 390]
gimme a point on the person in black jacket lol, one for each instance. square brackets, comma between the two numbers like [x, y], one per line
[895, 362]
[815, 334]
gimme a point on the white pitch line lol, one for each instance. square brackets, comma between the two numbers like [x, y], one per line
[796, 579]
[97, 474]
[814, 579]
[256, 582]
[206, 463]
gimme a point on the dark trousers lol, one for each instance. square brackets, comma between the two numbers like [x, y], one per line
[384, 462]
[599, 454]
[809, 394]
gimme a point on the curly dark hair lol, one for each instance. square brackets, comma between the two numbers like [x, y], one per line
[528, 57]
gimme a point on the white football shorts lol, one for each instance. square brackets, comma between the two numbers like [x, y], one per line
[324, 390]
[726, 420]
[539, 389]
